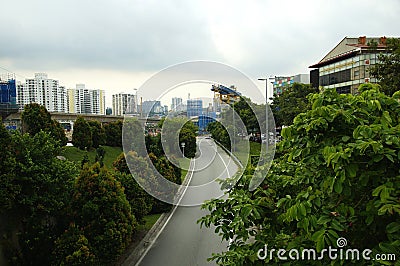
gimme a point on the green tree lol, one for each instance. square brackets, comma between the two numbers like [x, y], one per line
[187, 135]
[387, 68]
[98, 133]
[140, 201]
[101, 210]
[85, 159]
[113, 131]
[37, 215]
[220, 134]
[72, 248]
[337, 176]
[100, 153]
[133, 136]
[36, 118]
[153, 145]
[58, 132]
[82, 135]
[291, 102]
[8, 190]
[166, 168]
[176, 131]
[246, 111]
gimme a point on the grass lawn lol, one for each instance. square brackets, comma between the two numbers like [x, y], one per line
[150, 220]
[184, 164]
[76, 155]
[241, 150]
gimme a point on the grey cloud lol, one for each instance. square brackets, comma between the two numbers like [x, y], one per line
[151, 35]
[105, 34]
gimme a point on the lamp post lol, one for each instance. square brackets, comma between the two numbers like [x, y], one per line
[266, 112]
[183, 149]
[233, 122]
[135, 98]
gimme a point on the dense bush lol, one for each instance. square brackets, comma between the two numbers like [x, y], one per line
[100, 209]
[337, 176]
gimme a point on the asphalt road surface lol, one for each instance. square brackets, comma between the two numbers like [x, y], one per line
[182, 242]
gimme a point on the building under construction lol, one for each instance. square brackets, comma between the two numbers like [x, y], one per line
[8, 95]
[224, 94]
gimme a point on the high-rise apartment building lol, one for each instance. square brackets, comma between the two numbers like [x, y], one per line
[123, 103]
[82, 100]
[99, 102]
[44, 91]
[177, 105]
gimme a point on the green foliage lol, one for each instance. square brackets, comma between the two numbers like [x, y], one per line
[58, 132]
[88, 134]
[98, 133]
[337, 176]
[8, 190]
[247, 111]
[153, 145]
[140, 201]
[102, 211]
[291, 102]
[187, 135]
[72, 248]
[220, 134]
[36, 207]
[387, 69]
[169, 171]
[133, 137]
[82, 135]
[36, 118]
[166, 168]
[100, 153]
[85, 160]
[44, 188]
[113, 131]
[177, 131]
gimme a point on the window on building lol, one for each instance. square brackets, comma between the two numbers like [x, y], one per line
[335, 78]
[343, 90]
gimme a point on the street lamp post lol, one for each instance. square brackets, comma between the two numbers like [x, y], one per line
[135, 101]
[266, 112]
[183, 149]
[233, 121]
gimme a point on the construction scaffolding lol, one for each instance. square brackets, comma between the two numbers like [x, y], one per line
[8, 95]
[226, 95]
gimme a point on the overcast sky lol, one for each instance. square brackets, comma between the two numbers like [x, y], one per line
[117, 45]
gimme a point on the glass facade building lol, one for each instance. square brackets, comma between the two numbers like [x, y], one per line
[8, 91]
[347, 66]
[194, 107]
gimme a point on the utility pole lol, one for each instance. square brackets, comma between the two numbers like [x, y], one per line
[266, 112]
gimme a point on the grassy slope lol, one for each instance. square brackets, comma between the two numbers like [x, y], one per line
[76, 155]
[184, 165]
[150, 220]
[242, 155]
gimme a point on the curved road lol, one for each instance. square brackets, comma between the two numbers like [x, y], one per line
[182, 241]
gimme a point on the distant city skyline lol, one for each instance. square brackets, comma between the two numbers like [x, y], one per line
[190, 90]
